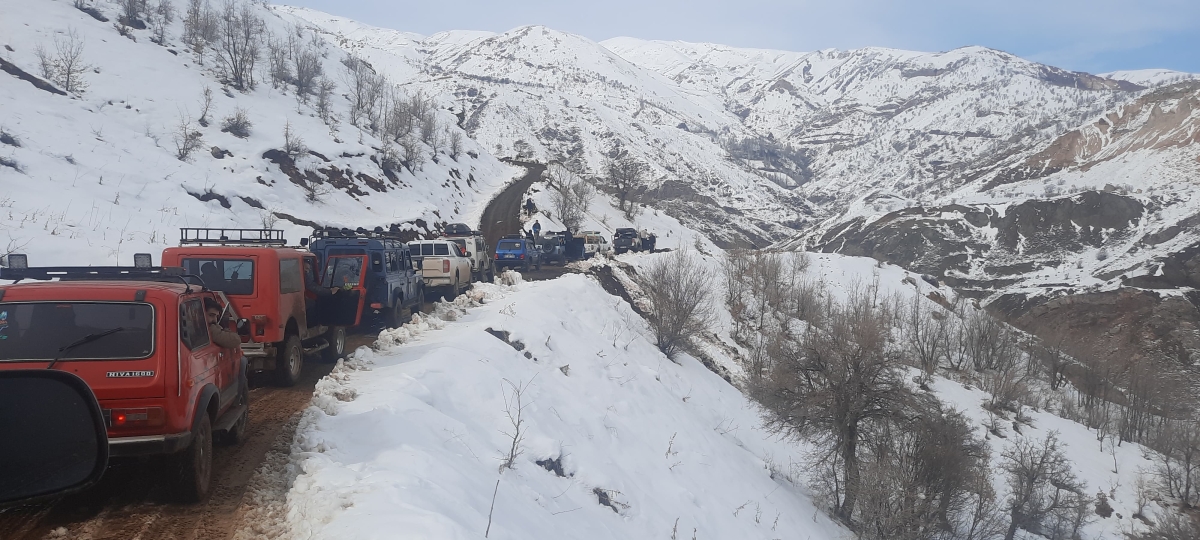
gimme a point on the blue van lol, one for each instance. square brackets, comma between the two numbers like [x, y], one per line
[392, 284]
[513, 250]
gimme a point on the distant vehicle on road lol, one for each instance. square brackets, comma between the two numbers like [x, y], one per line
[628, 239]
[516, 251]
[595, 244]
[553, 248]
[476, 247]
[390, 284]
[140, 338]
[444, 264]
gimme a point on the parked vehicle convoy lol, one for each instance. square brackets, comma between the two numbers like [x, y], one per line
[476, 247]
[140, 338]
[443, 264]
[515, 251]
[552, 248]
[275, 288]
[595, 244]
[377, 266]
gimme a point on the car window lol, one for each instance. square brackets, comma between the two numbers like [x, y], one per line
[509, 245]
[427, 249]
[393, 262]
[39, 330]
[289, 276]
[231, 276]
[441, 248]
[343, 272]
[193, 328]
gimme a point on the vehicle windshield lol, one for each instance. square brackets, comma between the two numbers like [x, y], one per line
[344, 271]
[461, 243]
[509, 245]
[626, 233]
[231, 276]
[38, 330]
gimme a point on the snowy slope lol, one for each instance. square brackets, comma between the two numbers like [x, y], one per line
[98, 177]
[1150, 77]
[410, 437]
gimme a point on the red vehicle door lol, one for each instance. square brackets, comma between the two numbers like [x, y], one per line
[348, 274]
[201, 357]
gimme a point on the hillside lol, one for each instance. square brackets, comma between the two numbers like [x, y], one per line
[94, 175]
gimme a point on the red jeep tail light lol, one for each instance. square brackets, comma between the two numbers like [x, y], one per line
[497, 255]
[445, 266]
[522, 255]
[376, 305]
[144, 417]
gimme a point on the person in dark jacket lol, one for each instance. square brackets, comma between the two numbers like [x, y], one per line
[222, 337]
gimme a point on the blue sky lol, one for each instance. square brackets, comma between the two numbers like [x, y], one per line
[1085, 35]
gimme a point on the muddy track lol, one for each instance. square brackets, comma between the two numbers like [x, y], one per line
[131, 502]
[503, 213]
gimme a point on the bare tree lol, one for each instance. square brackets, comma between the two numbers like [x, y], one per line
[306, 63]
[293, 144]
[279, 61]
[1170, 526]
[626, 176]
[206, 101]
[570, 195]
[199, 28]
[514, 409]
[678, 289]
[187, 138]
[928, 332]
[367, 91]
[1179, 460]
[325, 89]
[65, 66]
[132, 12]
[830, 383]
[1043, 490]
[239, 30]
[164, 15]
[412, 153]
[454, 143]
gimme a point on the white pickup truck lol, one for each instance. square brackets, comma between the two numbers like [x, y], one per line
[595, 244]
[442, 263]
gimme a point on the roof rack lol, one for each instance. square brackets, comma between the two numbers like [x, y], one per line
[378, 232]
[204, 235]
[103, 273]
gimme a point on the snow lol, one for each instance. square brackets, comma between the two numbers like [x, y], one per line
[412, 438]
[99, 179]
[1150, 77]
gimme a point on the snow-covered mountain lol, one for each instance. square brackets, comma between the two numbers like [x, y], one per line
[93, 176]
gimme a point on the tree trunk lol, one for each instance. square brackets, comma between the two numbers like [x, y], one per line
[851, 467]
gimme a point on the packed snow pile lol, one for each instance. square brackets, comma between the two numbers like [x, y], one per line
[612, 439]
[139, 126]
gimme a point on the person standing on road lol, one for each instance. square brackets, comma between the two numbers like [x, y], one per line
[537, 229]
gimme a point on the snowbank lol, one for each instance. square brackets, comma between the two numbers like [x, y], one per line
[411, 437]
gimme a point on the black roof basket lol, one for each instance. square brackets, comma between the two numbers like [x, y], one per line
[393, 233]
[236, 237]
[459, 229]
[169, 274]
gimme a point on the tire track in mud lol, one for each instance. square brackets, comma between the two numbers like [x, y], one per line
[132, 500]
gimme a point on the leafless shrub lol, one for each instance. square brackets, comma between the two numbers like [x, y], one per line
[199, 28]
[1179, 460]
[325, 88]
[206, 101]
[279, 64]
[164, 15]
[314, 190]
[514, 408]
[454, 140]
[132, 12]
[237, 124]
[367, 91]
[678, 288]
[65, 66]
[293, 144]
[239, 30]
[1045, 496]
[570, 196]
[626, 176]
[306, 63]
[187, 138]
[1169, 526]
[412, 153]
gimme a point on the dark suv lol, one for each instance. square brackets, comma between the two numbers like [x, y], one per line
[516, 251]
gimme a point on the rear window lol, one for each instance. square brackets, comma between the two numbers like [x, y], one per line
[232, 276]
[509, 245]
[441, 249]
[99, 330]
[461, 243]
[343, 272]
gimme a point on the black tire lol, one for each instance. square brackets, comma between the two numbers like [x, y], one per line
[538, 266]
[395, 315]
[194, 465]
[336, 337]
[491, 274]
[289, 362]
[525, 266]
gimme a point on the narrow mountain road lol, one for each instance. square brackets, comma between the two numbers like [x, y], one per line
[503, 216]
[131, 501]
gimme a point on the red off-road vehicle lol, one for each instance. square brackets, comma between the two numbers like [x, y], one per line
[139, 338]
[267, 282]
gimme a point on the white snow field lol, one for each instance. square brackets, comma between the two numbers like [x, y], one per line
[408, 441]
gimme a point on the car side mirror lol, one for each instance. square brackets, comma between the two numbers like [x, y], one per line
[303, 242]
[55, 441]
[242, 324]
